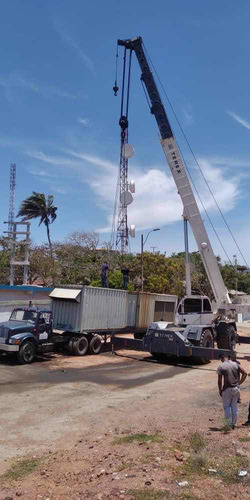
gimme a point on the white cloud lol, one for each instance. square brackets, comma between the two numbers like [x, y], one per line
[42, 173]
[240, 120]
[52, 160]
[187, 111]
[68, 39]
[156, 202]
[83, 121]
[16, 80]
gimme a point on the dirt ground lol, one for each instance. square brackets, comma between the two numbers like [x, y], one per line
[119, 427]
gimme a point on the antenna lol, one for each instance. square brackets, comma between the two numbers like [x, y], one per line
[12, 196]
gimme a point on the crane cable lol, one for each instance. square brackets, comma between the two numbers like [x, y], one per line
[204, 178]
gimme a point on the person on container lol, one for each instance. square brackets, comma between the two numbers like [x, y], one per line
[104, 273]
[230, 376]
[125, 274]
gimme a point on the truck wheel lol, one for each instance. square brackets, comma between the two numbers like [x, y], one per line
[227, 340]
[95, 344]
[80, 346]
[27, 353]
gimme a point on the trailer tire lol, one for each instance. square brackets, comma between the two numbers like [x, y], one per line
[227, 340]
[95, 344]
[26, 353]
[70, 347]
[157, 355]
[80, 346]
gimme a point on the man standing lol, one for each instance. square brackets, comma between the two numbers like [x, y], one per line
[231, 375]
[104, 272]
[247, 423]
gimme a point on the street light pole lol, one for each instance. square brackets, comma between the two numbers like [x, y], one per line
[142, 250]
[236, 273]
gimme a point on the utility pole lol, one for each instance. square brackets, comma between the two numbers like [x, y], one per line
[236, 274]
[12, 196]
[142, 252]
[187, 259]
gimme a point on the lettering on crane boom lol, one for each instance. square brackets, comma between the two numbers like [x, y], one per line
[174, 159]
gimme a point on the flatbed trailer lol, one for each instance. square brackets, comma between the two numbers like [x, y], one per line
[161, 340]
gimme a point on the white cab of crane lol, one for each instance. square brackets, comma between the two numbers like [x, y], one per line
[194, 310]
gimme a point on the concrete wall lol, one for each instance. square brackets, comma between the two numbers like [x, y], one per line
[21, 295]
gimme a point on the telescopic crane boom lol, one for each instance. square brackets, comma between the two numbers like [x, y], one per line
[191, 211]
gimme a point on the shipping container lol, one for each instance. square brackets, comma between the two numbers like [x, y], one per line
[84, 308]
[155, 307]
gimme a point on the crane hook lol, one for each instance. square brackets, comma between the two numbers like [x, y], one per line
[115, 89]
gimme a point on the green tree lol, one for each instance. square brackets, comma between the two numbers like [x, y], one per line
[38, 206]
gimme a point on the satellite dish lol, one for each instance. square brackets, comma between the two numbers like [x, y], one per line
[127, 151]
[126, 198]
[132, 187]
[132, 231]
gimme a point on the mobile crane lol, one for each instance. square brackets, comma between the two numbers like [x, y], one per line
[222, 329]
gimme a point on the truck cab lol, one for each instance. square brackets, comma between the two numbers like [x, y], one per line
[26, 330]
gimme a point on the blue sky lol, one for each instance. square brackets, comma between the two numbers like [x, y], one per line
[59, 118]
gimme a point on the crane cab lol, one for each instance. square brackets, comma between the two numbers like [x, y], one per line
[194, 310]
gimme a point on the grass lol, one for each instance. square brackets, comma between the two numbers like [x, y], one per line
[151, 494]
[245, 440]
[196, 465]
[226, 428]
[140, 438]
[231, 467]
[21, 469]
[197, 442]
[124, 466]
[187, 496]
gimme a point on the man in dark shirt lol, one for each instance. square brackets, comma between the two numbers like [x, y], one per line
[104, 272]
[232, 375]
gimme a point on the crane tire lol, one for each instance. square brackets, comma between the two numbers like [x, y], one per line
[80, 346]
[206, 340]
[227, 340]
[95, 344]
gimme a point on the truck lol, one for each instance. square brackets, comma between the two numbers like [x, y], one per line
[208, 326]
[81, 316]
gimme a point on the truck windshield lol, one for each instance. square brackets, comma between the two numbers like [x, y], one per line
[23, 316]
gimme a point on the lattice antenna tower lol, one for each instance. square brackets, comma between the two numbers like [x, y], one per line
[12, 196]
[123, 188]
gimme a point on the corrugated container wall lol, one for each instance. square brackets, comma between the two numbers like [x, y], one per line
[103, 308]
[89, 308]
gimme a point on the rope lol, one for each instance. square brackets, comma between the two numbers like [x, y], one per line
[128, 88]
[146, 95]
[197, 163]
[116, 64]
[123, 79]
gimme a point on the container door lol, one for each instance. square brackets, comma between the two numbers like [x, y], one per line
[164, 311]
[132, 303]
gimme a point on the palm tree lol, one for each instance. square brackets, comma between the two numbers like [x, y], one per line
[38, 206]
